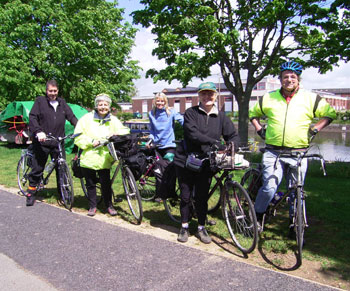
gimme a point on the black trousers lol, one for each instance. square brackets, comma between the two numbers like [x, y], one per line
[190, 181]
[103, 177]
[39, 159]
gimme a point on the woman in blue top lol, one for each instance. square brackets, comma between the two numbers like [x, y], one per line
[162, 121]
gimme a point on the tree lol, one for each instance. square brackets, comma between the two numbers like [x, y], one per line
[83, 44]
[243, 37]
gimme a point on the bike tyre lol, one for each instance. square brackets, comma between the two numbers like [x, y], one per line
[172, 207]
[147, 187]
[132, 194]
[22, 174]
[299, 224]
[214, 200]
[239, 215]
[66, 185]
[252, 181]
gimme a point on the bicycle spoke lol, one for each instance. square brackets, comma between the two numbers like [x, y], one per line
[239, 214]
[132, 194]
[66, 186]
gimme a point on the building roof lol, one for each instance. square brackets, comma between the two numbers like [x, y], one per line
[335, 90]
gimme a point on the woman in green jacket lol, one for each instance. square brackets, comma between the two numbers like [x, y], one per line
[96, 127]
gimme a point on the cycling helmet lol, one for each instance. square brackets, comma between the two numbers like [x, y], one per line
[292, 66]
[103, 97]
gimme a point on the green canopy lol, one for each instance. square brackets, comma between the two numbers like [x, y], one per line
[17, 113]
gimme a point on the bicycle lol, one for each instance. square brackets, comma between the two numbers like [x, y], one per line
[237, 207]
[129, 183]
[299, 222]
[24, 168]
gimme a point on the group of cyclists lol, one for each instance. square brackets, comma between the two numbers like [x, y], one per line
[289, 111]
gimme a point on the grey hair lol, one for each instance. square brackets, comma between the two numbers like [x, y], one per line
[103, 97]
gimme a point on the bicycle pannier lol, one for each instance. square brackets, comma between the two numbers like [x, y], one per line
[76, 169]
[137, 164]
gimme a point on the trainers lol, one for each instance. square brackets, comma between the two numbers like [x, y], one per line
[203, 235]
[111, 211]
[260, 228]
[183, 235]
[92, 211]
[30, 199]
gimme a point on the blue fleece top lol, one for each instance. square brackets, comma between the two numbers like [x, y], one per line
[162, 127]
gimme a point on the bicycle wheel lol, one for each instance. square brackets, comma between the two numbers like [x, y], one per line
[147, 187]
[215, 190]
[132, 194]
[300, 222]
[22, 174]
[252, 181]
[239, 214]
[172, 207]
[66, 185]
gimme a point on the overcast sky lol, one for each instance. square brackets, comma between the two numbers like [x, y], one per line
[142, 52]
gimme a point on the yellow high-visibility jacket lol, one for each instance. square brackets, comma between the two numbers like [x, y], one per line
[288, 124]
[94, 128]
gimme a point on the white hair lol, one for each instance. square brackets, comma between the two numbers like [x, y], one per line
[103, 97]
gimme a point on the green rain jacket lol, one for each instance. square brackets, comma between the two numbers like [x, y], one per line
[288, 124]
[94, 128]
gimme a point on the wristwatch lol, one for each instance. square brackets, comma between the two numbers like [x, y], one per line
[314, 131]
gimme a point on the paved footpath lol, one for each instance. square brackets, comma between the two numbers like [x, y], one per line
[48, 248]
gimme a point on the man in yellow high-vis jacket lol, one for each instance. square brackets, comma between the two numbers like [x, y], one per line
[290, 111]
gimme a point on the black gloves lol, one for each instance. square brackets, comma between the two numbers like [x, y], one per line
[262, 132]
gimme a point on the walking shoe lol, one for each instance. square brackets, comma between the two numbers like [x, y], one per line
[112, 211]
[30, 199]
[183, 235]
[158, 200]
[203, 235]
[92, 211]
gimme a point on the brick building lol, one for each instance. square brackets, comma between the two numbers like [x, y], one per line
[338, 98]
[183, 98]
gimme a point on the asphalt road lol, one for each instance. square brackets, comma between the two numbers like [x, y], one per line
[47, 248]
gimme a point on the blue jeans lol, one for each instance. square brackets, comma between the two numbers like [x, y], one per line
[272, 178]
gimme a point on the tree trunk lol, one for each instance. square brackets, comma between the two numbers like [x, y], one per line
[243, 117]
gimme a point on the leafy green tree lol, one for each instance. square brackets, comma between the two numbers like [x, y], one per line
[83, 44]
[246, 39]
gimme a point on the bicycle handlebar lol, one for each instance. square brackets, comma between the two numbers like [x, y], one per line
[303, 155]
[59, 139]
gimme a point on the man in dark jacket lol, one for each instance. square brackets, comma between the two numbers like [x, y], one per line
[48, 116]
[204, 125]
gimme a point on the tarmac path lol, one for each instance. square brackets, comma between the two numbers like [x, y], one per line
[48, 248]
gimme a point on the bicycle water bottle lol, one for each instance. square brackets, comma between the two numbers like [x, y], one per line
[50, 166]
[277, 198]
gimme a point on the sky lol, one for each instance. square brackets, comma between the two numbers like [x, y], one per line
[144, 44]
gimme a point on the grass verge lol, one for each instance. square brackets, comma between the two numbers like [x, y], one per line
[327, 210]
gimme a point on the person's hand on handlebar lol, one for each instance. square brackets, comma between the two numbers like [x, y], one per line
[41, 136]
[95, 143]
[218, 146]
